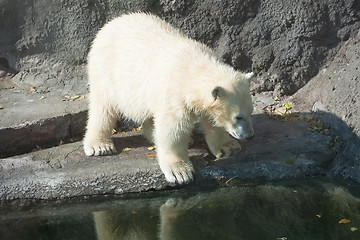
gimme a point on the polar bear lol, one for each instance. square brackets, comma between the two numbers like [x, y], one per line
[143, 69]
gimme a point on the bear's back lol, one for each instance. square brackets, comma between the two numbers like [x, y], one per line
[142, 59]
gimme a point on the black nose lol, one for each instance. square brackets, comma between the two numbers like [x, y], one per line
[250, 138]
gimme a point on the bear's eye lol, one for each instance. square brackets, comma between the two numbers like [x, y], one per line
[239, 118]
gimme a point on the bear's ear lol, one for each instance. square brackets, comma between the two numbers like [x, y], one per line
[217, 92]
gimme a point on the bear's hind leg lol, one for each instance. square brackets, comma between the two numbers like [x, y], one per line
[97, 140]
[148, 128]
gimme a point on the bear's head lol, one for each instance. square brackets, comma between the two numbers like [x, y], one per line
[232, 107]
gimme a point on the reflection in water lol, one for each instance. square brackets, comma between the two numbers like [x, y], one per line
[261, 212]
[238, 213]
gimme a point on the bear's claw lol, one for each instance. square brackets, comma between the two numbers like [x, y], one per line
[228, 149]
[179, 173]
[98, 149]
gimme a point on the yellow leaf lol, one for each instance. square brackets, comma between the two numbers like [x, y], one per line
[11, 87]
[126, 149]
[75, 97]
[287, 106]
[344, 220]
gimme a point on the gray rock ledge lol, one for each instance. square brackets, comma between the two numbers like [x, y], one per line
[280, 150]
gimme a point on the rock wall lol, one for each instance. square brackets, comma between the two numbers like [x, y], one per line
[284, 42]
[334, 96]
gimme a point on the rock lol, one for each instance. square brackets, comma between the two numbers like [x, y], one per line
[335, 98]
[31, 120]
[285, 43]
[280, 150]
[2, 74]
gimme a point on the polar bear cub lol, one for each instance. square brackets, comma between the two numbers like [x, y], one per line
[143, 69]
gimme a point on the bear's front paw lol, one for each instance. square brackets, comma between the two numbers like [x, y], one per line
[180, 172]
[225, 150]
[99, 148]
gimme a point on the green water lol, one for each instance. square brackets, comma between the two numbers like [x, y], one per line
[308, 209]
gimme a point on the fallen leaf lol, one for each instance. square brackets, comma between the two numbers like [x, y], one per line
[318, 215]
[268, 110]
[326, 132]
[11, 87]
[280, 110]
[150, 155]
[134, 129]
[75, 97]
[126, 149]
[65, 98]
[152, 148]
[113, 131]
[72, 98]
[287, 106]
[276, 98]
[290, 162]
[42, 97]
[344, 220]
[282, 238]
[336, 138]
[295, 191]
[353, 229]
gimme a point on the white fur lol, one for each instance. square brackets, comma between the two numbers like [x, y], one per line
[143, 69]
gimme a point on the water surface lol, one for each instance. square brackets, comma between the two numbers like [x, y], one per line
[308, 209]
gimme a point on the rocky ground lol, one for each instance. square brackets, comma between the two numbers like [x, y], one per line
[305, 55]
[284, 148]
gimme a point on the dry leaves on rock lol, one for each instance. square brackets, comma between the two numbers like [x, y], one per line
[38, 90]
[283, 113]
[69, 98]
